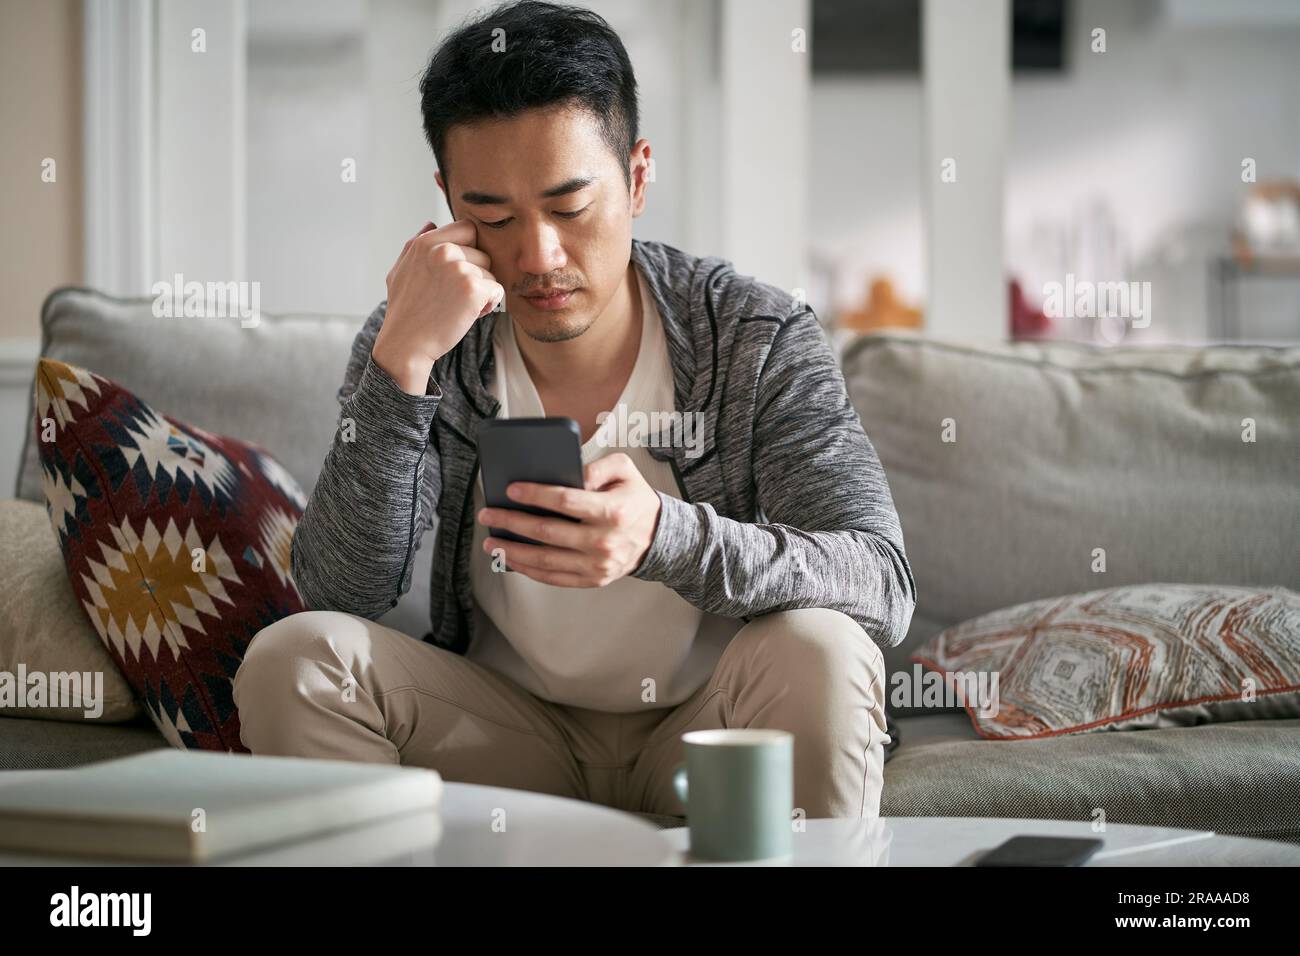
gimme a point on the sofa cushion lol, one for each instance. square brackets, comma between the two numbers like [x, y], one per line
[274, 384]
[1239, 778]
[44, 630]
[897, 662]
[176, 543]
[1074, 468]
[1156, 655]
[54, 744]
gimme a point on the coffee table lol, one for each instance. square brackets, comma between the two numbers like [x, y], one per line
[494, 826]
[958, 841]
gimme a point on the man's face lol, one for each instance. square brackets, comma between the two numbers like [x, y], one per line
[552, 209]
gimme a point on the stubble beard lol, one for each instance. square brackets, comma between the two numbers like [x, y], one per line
[558, 331]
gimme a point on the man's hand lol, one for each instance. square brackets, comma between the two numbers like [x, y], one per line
[618, 512]
[438, 288]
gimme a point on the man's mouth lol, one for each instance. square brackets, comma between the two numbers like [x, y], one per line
[551, 298]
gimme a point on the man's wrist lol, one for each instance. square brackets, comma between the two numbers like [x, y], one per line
[654, 529]
[410, 375]
[675, 538]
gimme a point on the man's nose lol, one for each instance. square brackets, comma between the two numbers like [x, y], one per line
[541, 251]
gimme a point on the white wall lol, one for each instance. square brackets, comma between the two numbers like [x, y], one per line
[864, 189]
[41, 244]
[201, 124]
[766, 73]
[40, 110]
[329, 79]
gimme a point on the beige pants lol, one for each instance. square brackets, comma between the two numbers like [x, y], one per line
[331, 685]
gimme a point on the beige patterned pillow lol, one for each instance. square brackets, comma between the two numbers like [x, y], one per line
[1127, 658]
[44, 631]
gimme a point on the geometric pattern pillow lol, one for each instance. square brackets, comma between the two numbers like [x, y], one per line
[1126, 658]
[176, 542]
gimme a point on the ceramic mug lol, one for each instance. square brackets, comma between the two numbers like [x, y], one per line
[738, 789]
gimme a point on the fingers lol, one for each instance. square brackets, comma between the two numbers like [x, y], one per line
[480, 284]
[552, 531]
[574, 502]
[474, 270]
[426, 228]
[607, 470]
[483, 285]
[493, 293]
[455, 250]
[478, 257]
[519, 554]
[461, 233]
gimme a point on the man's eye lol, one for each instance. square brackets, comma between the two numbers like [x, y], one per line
[501, 223]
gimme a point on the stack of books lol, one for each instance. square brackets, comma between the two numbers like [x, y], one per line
[178, 806]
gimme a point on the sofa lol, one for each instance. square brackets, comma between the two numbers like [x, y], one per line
[1010, 463]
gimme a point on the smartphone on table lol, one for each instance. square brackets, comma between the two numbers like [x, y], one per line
[547, 451]
[1041, 851]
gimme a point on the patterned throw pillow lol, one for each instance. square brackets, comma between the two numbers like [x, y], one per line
[176, 542]
[1143, 656]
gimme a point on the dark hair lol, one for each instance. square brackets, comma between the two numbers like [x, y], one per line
[554, 54]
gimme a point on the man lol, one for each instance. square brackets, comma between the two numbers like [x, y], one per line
[741, 568]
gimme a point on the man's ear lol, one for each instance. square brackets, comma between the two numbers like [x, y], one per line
[437, 177]
[641, 164]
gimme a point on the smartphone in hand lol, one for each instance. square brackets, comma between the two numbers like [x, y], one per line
[547, 451]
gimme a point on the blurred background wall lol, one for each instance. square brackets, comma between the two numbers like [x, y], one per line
[810, 172]
[40, 119]
[1143, 142]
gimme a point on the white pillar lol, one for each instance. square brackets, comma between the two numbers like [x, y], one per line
[765, 86]
[200, 139]
[120, 240]
[966, 64]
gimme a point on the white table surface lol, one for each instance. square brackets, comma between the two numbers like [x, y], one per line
[543, 830]
[493, 826]
[958, 841]
[475, 826]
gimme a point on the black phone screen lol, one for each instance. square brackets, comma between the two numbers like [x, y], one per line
[543, 450]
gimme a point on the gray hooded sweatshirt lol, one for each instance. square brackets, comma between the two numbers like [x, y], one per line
[784, 504]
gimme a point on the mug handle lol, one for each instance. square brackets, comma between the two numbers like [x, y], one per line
[679, 782]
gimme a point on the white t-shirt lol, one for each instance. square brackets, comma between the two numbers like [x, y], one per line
[594, 647]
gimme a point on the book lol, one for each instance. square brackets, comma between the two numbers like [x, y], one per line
[188, 806]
